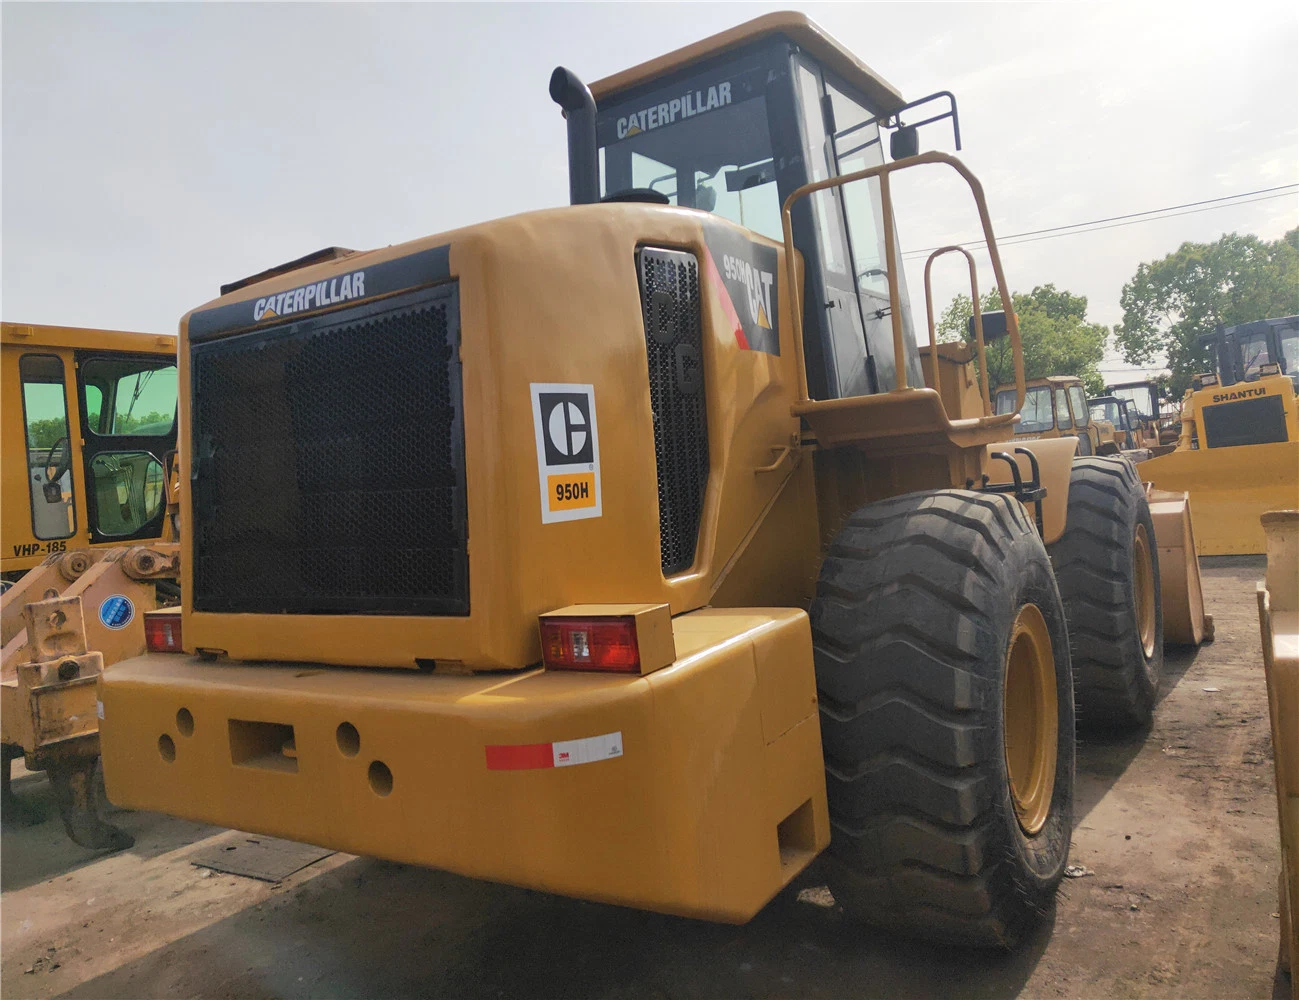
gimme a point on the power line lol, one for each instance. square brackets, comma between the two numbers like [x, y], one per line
[1133, 222]
[1151, 215]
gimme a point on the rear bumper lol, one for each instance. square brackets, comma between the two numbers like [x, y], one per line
[713, 801]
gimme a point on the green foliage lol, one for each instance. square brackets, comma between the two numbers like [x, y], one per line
[1170, 302]
[1054, 331]
[41, 434]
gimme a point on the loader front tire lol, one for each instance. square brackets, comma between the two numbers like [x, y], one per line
[942, 663]
[1107, 569]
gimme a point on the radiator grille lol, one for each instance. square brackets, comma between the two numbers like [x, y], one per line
[669, 283]
[1248, 421]
[328, 471]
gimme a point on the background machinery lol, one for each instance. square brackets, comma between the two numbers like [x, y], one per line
[1056, 407]
[88, 423]
[1144, 410]
[673, 558]
[1238, 451]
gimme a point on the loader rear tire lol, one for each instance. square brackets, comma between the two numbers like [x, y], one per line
[950, 791]
[1107, 569]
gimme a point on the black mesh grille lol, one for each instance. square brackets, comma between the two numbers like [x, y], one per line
[1249, 421]
[328, 471]
[669, 282]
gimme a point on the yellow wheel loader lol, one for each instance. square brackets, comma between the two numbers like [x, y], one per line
[88, 423]
[1056, 407]
[1238, 452]
[625, 551]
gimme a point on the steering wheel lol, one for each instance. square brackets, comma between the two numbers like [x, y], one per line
[65, 461]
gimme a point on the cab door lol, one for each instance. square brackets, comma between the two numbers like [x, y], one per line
[128, 424]
[1089, 437]
[41, 456]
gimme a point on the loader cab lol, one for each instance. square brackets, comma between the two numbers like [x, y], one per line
[1247, 352]
[93, 413]
[731, 126]
[1055, 406]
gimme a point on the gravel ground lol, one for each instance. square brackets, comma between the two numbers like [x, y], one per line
[1177, 825]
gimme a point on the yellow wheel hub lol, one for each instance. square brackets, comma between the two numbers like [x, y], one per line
[1143, 582]
[1031, 717]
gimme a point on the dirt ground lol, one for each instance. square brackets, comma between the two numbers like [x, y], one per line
[1178, 824]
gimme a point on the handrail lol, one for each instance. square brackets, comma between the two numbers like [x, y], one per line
[985, 395]
[890, 253]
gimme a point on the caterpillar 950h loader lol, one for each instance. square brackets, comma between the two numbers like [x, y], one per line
[88, 424]
[1238, 451]
[671, 563]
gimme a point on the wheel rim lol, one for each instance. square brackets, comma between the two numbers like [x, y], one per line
[1143, 579]
[1031, 719]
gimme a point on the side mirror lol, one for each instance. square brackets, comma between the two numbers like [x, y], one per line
[994, 325]
[904, 142]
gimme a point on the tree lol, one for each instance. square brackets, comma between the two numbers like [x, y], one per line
[1053, 328]
[1170, 303]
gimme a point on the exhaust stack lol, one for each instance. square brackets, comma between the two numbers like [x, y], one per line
[575, 98]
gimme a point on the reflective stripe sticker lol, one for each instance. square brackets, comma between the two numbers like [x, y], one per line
[564, 753]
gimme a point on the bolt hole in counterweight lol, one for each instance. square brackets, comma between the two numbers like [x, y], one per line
[185, 722]
[166, 748]
[349, 740]
[380, 778]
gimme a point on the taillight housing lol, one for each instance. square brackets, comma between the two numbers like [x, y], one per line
[162, 631]
[616, 638]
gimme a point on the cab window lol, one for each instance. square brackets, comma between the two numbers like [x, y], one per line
[128, 489]
[129, 396]
[1289, 341]
[1063, 420]
[1079, 400]
[1036, 416]
[857, 146]
[49, 452]
[703, 142]
[1106, 411]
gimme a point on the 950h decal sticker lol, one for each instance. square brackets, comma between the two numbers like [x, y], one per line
[742, 274]
[568, 451]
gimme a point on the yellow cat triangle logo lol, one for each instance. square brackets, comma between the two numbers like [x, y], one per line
[634, 130]
[762, 318]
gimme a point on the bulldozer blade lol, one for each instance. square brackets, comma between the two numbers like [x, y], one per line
[1230, 488]
[76, 791]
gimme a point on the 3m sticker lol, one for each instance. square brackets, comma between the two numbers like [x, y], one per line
[563, 753]
[568, 451]
[116, 611]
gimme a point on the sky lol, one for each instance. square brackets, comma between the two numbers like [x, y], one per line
[149, 153]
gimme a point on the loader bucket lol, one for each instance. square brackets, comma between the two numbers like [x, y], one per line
[1230, 488]
[1185, 622]
[1278, 614]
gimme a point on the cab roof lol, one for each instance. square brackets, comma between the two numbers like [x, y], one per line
[798, 28]
[84, 338]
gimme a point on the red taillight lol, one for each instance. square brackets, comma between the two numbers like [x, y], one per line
[162, 631]
[590, 644]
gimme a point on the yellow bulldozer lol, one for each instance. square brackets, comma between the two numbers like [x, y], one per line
[88, 539]
[1238, 450]
[625, 551]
